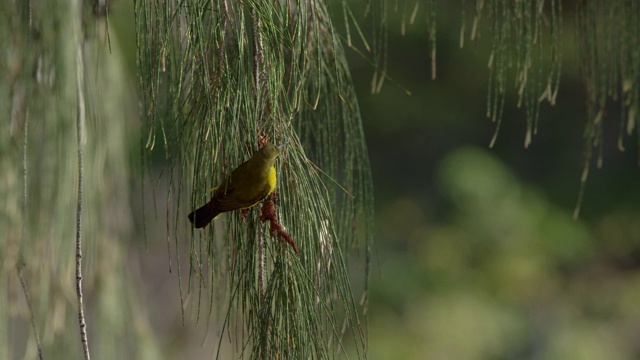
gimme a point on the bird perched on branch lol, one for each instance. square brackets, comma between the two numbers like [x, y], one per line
[248, 184]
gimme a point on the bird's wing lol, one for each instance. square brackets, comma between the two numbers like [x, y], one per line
[266, 190]
[231, 196]
[225, 199]
[229, 200]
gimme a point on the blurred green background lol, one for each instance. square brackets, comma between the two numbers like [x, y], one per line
[477, 256]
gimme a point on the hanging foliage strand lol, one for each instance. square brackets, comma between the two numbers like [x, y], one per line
[219, 77]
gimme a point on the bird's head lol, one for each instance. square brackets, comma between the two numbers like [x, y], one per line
[270, 152]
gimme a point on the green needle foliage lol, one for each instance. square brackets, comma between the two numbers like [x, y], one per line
[219, 77]
[526, 39]
[525, 49]
[610, 39]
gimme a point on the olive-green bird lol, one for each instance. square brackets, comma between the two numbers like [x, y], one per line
[248, 184]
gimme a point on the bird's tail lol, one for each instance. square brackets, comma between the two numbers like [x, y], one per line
[203, 216]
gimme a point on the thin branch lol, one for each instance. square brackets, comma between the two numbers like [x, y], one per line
[258, 76]
[27, 298]
[224, 16]
[258, 54]
[260, 82]
[80, 120]
[261, 263]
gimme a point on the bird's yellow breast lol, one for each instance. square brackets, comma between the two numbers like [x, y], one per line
[272, 179]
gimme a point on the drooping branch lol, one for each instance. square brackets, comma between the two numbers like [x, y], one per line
[27, 298]
[80, 123]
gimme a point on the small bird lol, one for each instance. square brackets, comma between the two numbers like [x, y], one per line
[248, 184]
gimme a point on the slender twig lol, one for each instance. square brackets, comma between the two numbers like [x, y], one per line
[25, 147]
[261, 264]
[21, 265]
[27, 298]
[224, 17]
[80, 120]
[258, 76]
[258, 55]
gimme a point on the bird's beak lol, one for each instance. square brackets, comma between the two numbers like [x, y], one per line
[281, 147]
